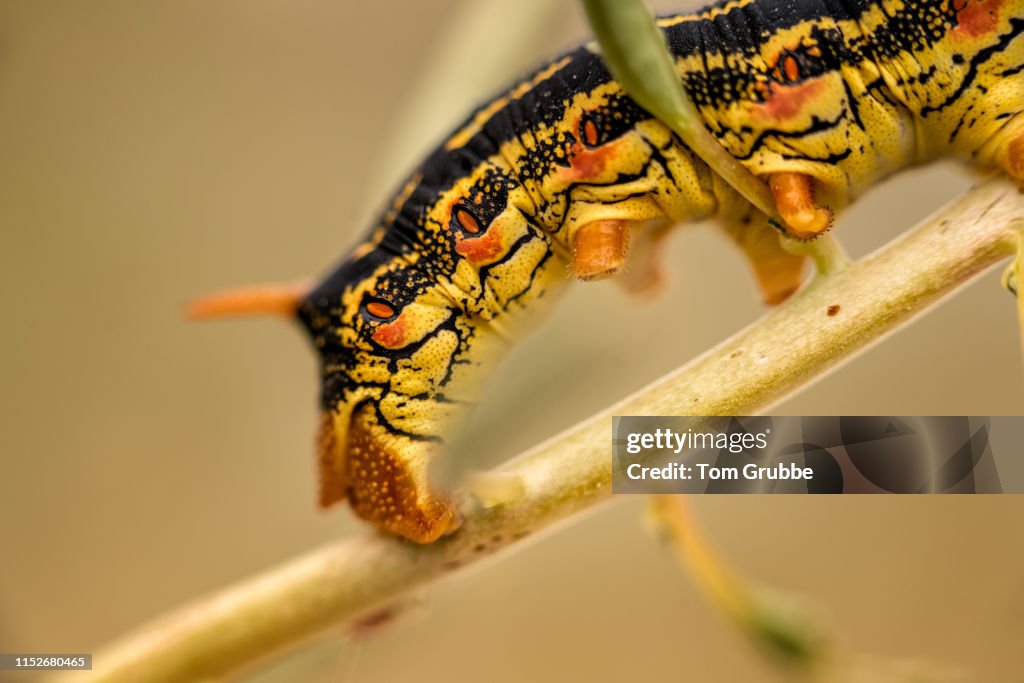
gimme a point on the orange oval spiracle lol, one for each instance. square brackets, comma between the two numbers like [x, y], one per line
[591, 136]
[792, 68]
[467, 221]
[379, 309]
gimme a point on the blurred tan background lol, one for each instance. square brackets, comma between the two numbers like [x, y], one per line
[153, 151]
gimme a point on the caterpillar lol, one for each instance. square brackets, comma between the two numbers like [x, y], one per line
[565, 174]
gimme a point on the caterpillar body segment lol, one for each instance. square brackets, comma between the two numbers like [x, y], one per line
[564, 174]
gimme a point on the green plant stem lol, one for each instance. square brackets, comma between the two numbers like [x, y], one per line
[783, 352]
[773, 620]
[826, 252]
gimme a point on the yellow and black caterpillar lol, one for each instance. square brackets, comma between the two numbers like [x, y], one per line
[821, 98]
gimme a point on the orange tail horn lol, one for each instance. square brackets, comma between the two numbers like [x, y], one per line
[274, 299]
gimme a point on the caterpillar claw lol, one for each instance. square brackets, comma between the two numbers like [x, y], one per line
[794, 198]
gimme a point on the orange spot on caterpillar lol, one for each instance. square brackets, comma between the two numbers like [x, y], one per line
[481, 250]
[379, 309]
[785, 101]
[588, 163]
[591, 135]
[792, 68]
[467, 221]
[392, 335]
[976, 17]
[591, 163]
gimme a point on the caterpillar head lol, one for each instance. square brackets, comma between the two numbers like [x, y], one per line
[398, 364]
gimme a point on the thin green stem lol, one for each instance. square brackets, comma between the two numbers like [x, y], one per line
[826, 252]
[773, 620]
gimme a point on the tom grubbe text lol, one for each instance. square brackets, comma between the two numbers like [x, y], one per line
[792, 454]
[734, 442]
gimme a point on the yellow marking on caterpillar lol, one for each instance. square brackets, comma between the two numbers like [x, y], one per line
[461, 137]
[822, 100]
[709, 13]
[402, 197]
